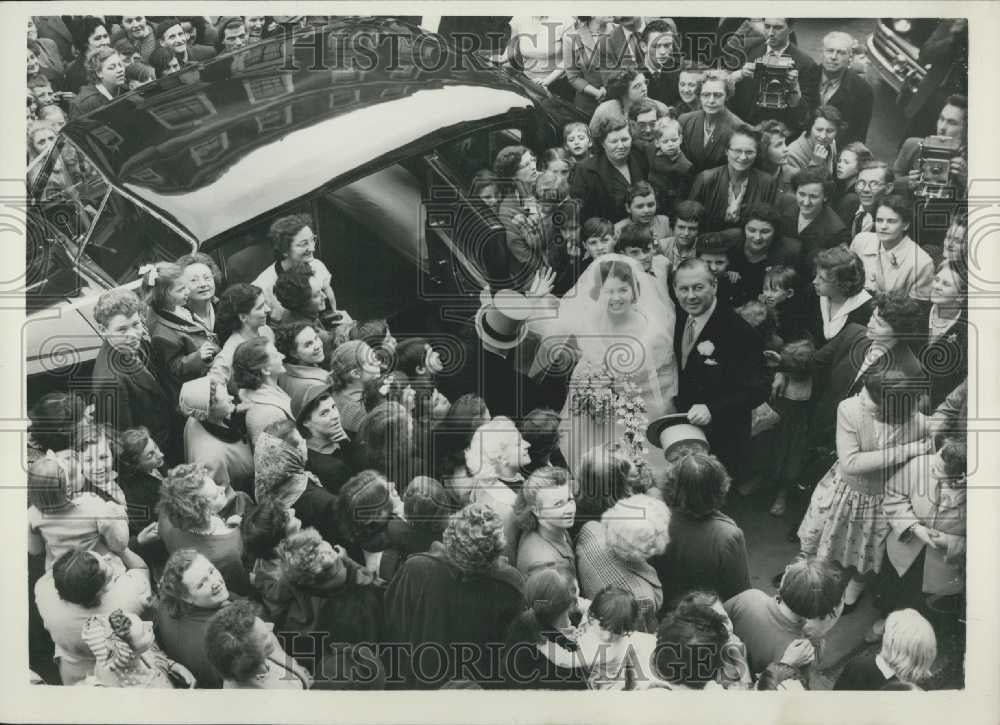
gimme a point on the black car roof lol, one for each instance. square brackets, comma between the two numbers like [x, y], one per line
[223, 141]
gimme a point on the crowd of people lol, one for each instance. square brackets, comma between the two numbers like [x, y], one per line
[262, 492]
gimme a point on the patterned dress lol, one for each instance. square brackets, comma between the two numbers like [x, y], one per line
[845, 521]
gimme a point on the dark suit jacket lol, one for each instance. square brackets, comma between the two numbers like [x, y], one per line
[835, 369]
[731, 387]
[54, 28]
[601, 189]
[693, 139]
[744, 102]
[127, 393]
[711, 189]
[623, 53]
[854, 99]
[662, 85]
[825, 231]
[588, 61]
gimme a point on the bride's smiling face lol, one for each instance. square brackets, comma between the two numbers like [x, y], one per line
[619, 295]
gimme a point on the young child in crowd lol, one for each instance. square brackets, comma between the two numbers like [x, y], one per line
[681, 244]
[485, 188]
[127, 654]
[576, 140]
[559, 161]
[714, 248]
[603, 643]
[782, 298]
[642, 208]
[637, 242]
[669, 168]
[598, 237]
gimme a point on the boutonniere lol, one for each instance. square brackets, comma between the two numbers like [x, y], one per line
[706, 348]
[710, 361]
[952, 338]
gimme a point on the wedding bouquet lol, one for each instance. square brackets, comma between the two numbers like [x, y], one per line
[602, 395]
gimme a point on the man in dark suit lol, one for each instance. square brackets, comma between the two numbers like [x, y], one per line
[774, 43]
[857, 210]
[838, 86]
[721, 361]
[661, 64]
[626, 41]
[126, 389]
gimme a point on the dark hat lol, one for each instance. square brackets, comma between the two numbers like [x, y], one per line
[719, 242]
[305, 396]
[667, 431]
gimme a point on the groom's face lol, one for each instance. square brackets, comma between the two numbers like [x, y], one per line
[695, 287]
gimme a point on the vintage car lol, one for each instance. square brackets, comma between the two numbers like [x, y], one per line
[894, 50]
[371, 125]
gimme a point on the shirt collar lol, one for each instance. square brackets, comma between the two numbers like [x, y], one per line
[701, 320]
[884, 667]
[103, 91]
[778, 51]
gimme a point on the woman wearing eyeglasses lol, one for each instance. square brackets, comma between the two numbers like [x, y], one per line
[728, 191]
[705, 133]
[625, 88]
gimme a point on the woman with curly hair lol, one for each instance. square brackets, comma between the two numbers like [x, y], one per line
[458, 592]
[689, 647]
[707, 548]
[294, 242]
[256, 367]
[325, 598]
[105, 71]
[190, 502]
[214, 434]
[191, 591]
[365, 506]
[241, 316]
[203, 276]
[263, 529]
[774, 153]
[615, 551]
[625, 88]
[244, 651]
[817, 146]
[543, 514]
[303, 346]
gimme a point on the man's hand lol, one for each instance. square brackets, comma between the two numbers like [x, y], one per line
[959, 167]
[542, 283]
[928, 536]
[208, 350]
[148, 534]
[734, 276]
[699, 414]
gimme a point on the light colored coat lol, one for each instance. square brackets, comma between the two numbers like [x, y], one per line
[914, 496]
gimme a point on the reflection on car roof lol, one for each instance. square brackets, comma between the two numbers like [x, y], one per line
[264, 125]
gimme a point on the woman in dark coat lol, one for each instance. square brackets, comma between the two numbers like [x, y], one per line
[601, 183]
[183, 349]
[106, 81]
[705, 133]
[458, 598]
[714, 188]
[707, 549]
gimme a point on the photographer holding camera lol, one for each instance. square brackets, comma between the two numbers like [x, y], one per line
[767, 79]
[934, 170]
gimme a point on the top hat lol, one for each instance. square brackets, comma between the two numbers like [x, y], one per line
[500, 320]
[667, 431]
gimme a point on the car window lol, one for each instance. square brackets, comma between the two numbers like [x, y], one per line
[70, 195]
[473, 153]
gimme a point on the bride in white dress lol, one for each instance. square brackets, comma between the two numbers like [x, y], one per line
[622, 333]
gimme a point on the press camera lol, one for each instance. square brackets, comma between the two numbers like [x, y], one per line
[936, 153]
[773, 82]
